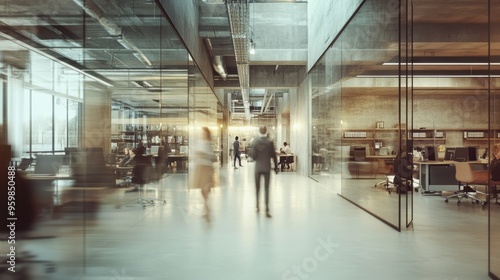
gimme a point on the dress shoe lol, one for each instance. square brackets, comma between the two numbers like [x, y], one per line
[268, 215]
[235, 167]
[241, 165]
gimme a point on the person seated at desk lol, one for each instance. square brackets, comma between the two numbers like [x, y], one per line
[285, 150]
[141, 172]
[126, 158]
[403, 171]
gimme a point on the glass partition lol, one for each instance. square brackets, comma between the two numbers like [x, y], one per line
[41, 116]
[81, 81]
[355, 111]
[494, 143]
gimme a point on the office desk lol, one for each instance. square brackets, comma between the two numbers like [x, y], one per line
[438, 176]
[46, 189]
[180, 161]
[382, 166]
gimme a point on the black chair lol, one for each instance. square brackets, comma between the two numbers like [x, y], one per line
[142, 174]
[388, 183]
[289, 162]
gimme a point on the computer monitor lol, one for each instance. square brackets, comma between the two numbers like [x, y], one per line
[183, 149]
[431, 153]
[485, 154]
[359, 153]
[48, 164]
[154, 150]
[465, 153]
[449, 153]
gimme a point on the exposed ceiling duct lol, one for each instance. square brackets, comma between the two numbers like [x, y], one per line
[217, 60]
[219, 66]
[239, 22]
[112, 28]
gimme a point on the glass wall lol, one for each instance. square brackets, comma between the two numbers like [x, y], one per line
[87, 79]
[355, 111]
[494, 143]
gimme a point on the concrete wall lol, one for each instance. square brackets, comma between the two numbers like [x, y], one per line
[97, 120]
[453, 113]
[300, 127]
[331, 14]
[184, 16]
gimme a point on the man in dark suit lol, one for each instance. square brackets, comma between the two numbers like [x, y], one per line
[236, 152]
[262, 152]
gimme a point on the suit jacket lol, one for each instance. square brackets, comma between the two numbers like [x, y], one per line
[236, 148]
[263, 152]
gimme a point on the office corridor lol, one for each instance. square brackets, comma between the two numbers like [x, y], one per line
[313, 234]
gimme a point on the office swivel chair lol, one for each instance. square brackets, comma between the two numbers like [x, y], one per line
[289, 162]
[466, 177]
[141, 175]
[400, 176]
[388, 183]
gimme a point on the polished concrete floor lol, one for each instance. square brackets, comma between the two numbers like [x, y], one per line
[313, 234]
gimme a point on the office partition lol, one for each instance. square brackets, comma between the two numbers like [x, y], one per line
[493, 108]
[357, 133]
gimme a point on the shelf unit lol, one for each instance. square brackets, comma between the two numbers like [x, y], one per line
[421, 136]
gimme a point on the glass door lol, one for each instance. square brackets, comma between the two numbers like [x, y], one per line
[404, 160]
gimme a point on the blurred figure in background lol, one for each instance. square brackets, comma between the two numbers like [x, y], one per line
[236, 152]
[285, 150]
[263, 152]
[141, 149]
[204, 168]
[164, 155]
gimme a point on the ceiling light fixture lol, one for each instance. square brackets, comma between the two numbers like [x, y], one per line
[440, 63]
[142, 84]
[252, 47]
[27, 46]
[429, 76]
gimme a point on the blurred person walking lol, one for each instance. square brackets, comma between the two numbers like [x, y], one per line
[263, 152]
[204, 168]
[236, 152]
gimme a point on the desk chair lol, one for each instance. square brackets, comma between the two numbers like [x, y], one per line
[142, 175]
[289, 162]
[403, 182]
[466, 177]
[388, 183]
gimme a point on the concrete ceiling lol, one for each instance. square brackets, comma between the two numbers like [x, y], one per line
[109, 44]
